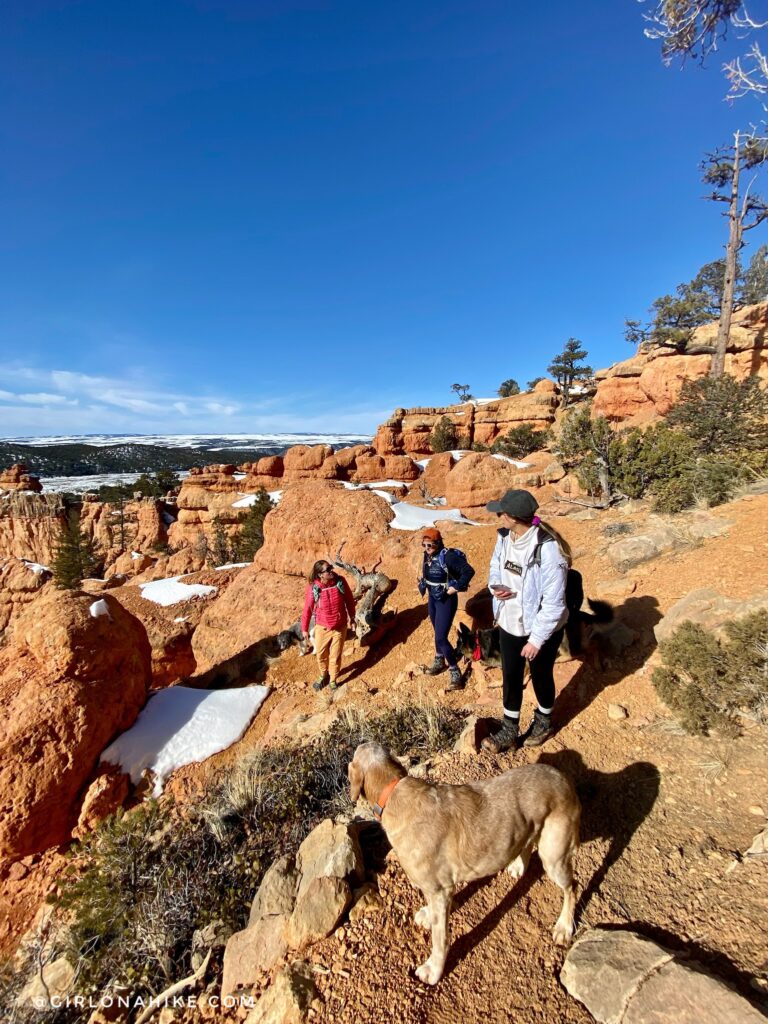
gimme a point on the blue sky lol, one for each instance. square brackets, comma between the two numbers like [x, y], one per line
[246, 215]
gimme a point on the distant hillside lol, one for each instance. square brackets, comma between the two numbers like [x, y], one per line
[86, 459]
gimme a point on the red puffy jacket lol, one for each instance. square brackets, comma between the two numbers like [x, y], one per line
[332, 608]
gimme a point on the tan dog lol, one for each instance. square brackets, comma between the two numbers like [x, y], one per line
[444, 835]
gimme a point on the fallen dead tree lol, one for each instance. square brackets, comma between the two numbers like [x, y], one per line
[372, 588]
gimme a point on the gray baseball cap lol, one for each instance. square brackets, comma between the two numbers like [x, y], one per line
[519, 504]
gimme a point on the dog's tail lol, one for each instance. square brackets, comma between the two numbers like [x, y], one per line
[601, 611]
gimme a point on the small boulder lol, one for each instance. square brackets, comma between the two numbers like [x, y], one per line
[277, 892]
[330, 850]
[288, 998]
[617, 712]
[318, 910]
[252, 951]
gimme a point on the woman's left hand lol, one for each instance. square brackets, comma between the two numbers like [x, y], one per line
[530, 651]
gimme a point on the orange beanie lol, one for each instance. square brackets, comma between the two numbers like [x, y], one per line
[432, 534]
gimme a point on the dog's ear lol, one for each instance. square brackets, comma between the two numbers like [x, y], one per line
[356, 779]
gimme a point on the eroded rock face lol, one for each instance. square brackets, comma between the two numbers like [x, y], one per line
[20, 583]
[139, 527]
[69, 681]
[408, 430]
[314, 519]
[19, 478]
[479, 478]
[644, 388]
[30, 525]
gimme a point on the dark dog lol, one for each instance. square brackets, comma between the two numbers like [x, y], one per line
[293, 635]
[582, 634]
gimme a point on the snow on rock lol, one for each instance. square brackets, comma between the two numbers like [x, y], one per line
[136, 555]
[35, 567]
[424, 462]
[413, 517]
[512, 462]
[170, 591]
[181, 726]
[231, 565]
[250, 499]
[99, 608]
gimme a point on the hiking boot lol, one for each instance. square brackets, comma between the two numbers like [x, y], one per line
[540, 730]
[437, 666]
[320, 683]
[457, 679]
[505, 738]
[333, 686]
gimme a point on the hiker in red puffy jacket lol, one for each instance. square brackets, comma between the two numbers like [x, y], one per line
[329, 599]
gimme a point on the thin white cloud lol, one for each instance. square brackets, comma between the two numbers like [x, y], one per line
[70, 402]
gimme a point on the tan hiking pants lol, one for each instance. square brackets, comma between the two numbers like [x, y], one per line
[329, 647]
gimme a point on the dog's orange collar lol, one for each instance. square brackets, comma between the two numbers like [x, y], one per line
[384, 795]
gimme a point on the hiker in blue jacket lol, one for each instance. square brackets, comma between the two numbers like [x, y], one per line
[527, 578]
[445, 572]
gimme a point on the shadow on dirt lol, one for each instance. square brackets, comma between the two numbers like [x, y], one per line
[601, 667]
[614, 805]
[402, 625]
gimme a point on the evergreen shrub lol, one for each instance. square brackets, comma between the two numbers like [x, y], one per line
[444, 436]
[708, 681]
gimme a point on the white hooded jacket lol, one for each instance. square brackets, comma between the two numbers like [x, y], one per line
[542, 586]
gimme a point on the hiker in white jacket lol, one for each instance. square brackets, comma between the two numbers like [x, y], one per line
[527, 577]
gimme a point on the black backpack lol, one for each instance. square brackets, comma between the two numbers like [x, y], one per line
[574, 581]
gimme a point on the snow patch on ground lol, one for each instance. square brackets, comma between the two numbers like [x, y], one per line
[231, 565]
[181, 726]
[170, 591]
[413, 517]
[99, 608]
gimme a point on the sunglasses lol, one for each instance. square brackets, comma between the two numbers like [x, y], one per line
[429, 544]
[326, 572]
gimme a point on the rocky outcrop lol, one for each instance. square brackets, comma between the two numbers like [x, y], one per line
[20, 583]
[126, 537]
[478, 478]
[313, 520]
[623, 978]
[71, 677]
[408, 430]
[708, 609]
[298, 903]
[642, 389]
[31, 525]
[18, 478]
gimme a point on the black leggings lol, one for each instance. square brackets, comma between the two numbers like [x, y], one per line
[513, 666]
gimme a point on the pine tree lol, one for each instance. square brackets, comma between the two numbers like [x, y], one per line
[508, 388]
[755, 286]
[565, 367]
[443, 437]
[219, 550]
[251, 534]
[462, 392]
[74, 559]
[722, 170]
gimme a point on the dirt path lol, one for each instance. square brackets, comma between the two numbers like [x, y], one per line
[666, 815]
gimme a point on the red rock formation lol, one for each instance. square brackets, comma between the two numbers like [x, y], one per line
[20, 583]
[479, 478]
[408, 430]
[643, 389]
[69, 681]
[18, 478]
[31, 525]
[139, 526]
